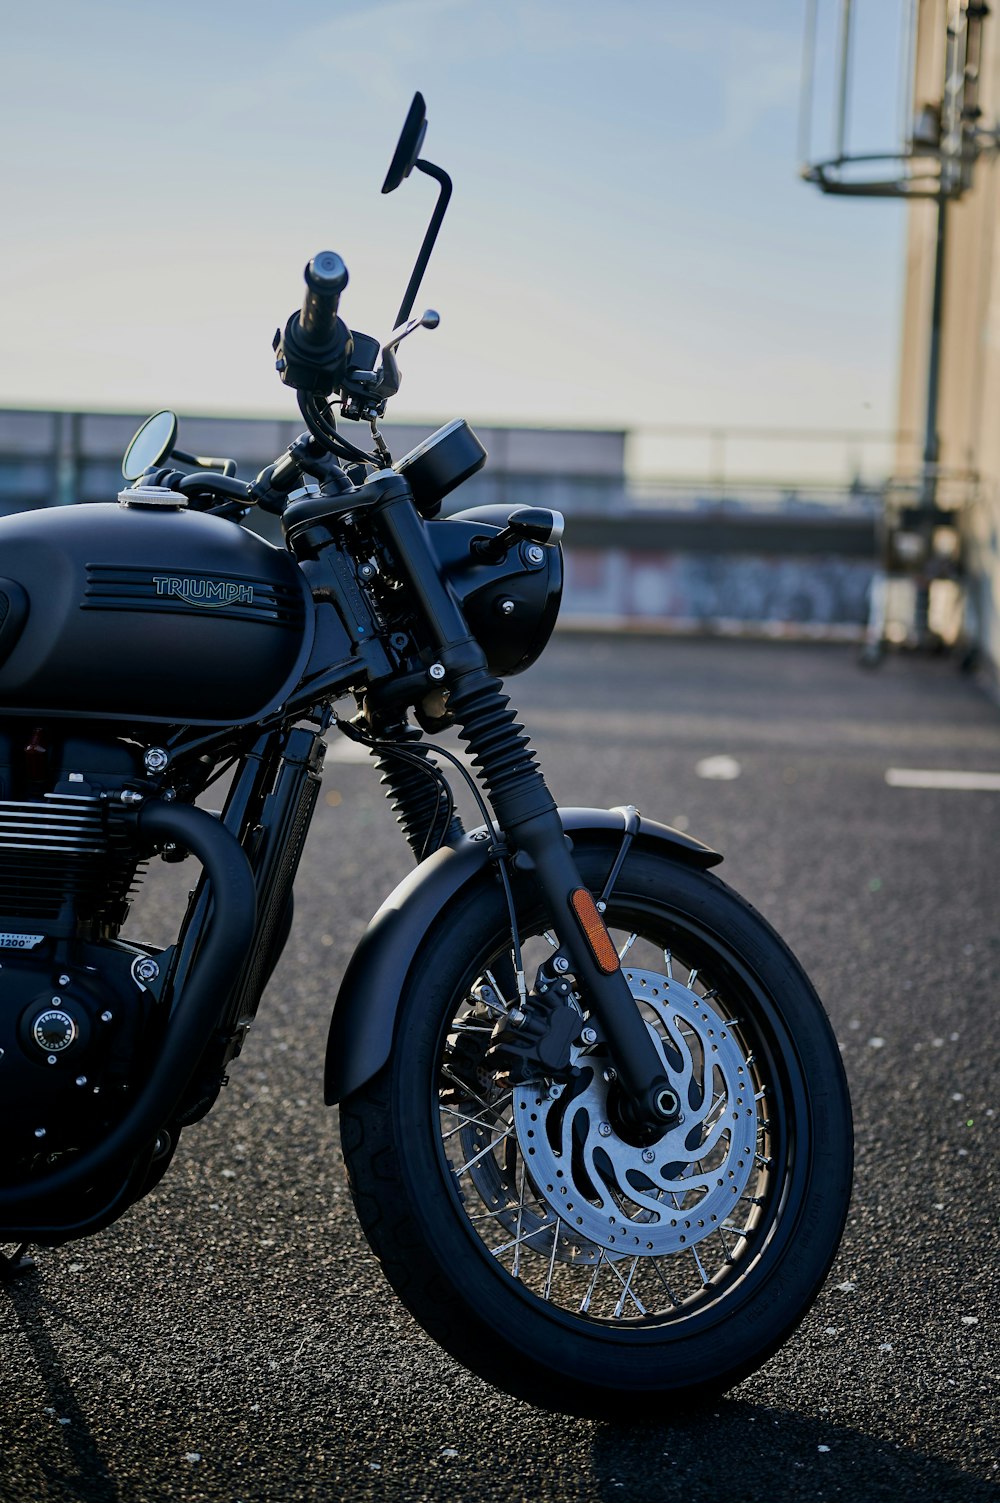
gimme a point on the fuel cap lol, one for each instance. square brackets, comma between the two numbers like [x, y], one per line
[152, 496]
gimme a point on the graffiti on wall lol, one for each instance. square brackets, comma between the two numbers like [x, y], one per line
[688, 590]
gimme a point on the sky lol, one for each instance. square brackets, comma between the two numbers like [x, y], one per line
[629, 243]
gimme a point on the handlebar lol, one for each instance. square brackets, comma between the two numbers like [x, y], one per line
[226, 486]
[326, 278]
[315, 349]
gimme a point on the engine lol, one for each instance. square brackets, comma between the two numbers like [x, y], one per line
[76, 1002]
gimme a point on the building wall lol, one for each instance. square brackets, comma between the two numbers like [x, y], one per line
[969, 400]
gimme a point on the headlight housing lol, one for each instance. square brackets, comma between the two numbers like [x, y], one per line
[511, 605]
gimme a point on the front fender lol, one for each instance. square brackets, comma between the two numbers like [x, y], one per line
[364, 1014]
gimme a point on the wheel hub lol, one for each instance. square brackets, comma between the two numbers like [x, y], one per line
[631, 1197]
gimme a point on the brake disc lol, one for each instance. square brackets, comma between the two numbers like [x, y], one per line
[647, 1198]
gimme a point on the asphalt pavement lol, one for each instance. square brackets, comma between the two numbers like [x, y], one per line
[233, 1339]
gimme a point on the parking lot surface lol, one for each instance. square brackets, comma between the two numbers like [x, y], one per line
[232, 1338]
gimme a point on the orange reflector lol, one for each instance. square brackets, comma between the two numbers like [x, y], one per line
[595, 929]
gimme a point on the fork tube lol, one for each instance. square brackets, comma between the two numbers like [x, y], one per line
[528, 815]
[524, 807]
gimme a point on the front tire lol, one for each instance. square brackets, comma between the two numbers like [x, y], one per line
[540, 1242]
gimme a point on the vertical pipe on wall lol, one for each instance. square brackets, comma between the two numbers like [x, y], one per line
[844, 68]
[928, 488]
[808, 75]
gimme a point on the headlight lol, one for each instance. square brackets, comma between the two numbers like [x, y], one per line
[511, 605]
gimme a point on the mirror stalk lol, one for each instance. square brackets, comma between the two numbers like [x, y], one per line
[417, 275]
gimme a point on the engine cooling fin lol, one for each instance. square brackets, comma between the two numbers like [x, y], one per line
[58, 856]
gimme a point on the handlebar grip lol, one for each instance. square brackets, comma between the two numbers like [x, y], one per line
[326, 278]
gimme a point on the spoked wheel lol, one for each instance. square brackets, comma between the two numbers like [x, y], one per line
[538, 1236]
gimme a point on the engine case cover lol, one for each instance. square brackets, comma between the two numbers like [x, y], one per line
[70, 1045]
[134, 615]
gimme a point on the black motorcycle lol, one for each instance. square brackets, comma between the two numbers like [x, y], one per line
[595, 1120]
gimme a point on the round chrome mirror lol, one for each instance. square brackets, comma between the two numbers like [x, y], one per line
[151, 444]
[408, 146]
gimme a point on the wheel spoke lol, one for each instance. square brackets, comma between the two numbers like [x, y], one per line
[467, 1089]
[627, 946]
[627, 1291]
[700, 1266]
[523, 1240]
[670, 1293]
[520, 1218]
[470, 1121]
[501, 1004]
[552, 1259]
[482, 1153]
[585, 1302]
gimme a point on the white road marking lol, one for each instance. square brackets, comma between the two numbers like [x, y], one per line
[721, 769]
[344, 750]
[915, 777]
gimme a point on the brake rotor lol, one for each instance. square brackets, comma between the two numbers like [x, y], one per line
[647, 1198]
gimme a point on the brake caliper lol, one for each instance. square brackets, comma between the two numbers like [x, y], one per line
[540, 1043]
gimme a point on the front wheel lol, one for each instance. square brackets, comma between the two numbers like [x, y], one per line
[551, 1248]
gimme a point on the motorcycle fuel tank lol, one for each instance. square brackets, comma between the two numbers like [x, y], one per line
[141, 613]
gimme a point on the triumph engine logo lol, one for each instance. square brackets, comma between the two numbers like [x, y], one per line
[211, 593]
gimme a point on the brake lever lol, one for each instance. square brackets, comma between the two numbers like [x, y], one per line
[377, 386]
[388, 372]
[428, 320]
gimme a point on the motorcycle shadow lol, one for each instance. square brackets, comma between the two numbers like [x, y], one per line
[40, 1320]
[758, 1454]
